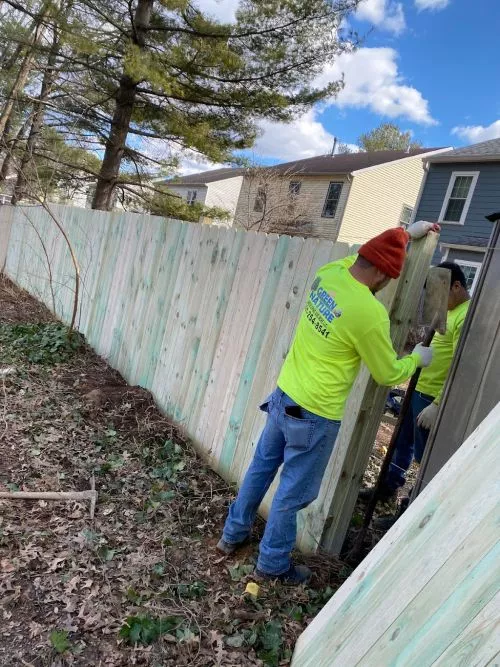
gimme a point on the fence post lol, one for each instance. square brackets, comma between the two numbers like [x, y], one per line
[366, 404]
[6, 215]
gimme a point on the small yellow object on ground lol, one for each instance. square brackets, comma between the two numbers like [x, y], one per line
[252, 588]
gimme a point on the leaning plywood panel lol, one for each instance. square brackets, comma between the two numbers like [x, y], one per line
[425, 583]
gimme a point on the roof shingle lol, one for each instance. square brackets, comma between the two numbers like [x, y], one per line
[342, 163]
[486, 150]
[345, 163]
[207, 176]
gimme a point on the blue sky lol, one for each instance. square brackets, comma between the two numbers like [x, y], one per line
[452, 57]
[431, 66]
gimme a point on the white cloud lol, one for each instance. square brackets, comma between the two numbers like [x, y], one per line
[372, 81]
[431, 4]
[191, 164]
[384, 14]
[477, 133]
[222, 10]
[303, 137]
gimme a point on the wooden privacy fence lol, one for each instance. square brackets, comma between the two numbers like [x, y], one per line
[203, 317]
[428, 593]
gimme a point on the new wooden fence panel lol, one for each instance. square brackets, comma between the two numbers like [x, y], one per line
[422, 587]
[479, 643]
[251, 305]
[255, 383]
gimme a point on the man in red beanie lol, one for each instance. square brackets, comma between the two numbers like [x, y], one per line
[342, 324]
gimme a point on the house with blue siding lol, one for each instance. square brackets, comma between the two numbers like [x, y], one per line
[459, 189]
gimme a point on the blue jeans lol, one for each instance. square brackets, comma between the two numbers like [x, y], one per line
[410, 443]
[303, 442]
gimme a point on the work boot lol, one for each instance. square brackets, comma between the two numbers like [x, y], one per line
[294, 576]
[229, 548]
[385, 494]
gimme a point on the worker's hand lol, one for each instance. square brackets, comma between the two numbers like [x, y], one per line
[427, 417]
[421, 228]
[425, 354]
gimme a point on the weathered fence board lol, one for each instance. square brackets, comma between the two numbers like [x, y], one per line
[421, 589]
[202, 317]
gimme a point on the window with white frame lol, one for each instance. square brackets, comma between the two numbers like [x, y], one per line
[406, 213]
[458, 197]
[191, 196]
[471, 272]
[332, 200]
[294, 188]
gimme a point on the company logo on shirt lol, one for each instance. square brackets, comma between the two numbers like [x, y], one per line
[324, 302]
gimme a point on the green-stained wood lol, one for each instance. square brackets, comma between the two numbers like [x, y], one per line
[201, 303]
[229, 446]
[479, 644]
[231, 243]
[156, 316]
[287, 302]
[237, 295]
[253, 295]
[213, 417]
[425, 582]
[169, 264]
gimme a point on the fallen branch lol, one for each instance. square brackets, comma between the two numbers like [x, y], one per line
[91, 495]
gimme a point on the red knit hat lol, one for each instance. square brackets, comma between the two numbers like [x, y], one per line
[387, 251]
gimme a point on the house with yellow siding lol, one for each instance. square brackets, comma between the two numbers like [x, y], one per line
[344, 197]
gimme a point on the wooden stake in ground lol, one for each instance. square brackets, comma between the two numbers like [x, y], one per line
[55, 495]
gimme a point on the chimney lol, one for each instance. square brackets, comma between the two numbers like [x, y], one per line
[334, 146]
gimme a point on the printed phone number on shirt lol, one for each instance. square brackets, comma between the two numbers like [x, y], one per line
[311, 313]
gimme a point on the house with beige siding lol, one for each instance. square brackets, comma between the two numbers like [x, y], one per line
[218, 188]
[344, 197]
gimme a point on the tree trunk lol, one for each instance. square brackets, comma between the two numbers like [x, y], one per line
[120, 124]
[38, 117]
[23, 73]
[10, 148]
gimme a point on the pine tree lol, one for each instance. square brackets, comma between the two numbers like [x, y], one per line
[167, 73]
[140, 82]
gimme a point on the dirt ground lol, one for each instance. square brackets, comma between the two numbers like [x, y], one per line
[141, 583]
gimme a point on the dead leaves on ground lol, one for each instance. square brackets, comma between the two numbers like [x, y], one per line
[142, 583]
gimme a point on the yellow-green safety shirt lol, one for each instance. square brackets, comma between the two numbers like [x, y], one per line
[342, 324]
[433, 377]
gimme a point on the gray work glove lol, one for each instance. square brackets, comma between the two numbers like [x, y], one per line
[427, 417]
[425, 354]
